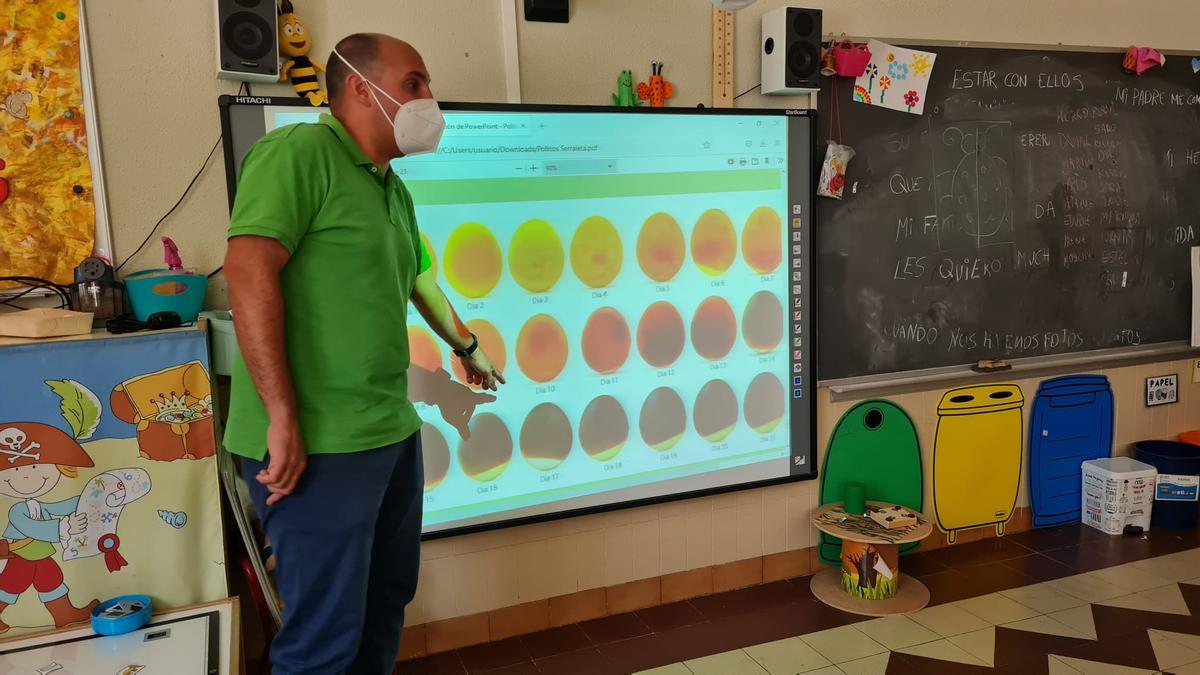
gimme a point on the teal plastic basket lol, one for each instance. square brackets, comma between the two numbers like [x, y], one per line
[161, 290]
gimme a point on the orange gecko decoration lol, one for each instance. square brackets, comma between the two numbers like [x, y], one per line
[657, 90]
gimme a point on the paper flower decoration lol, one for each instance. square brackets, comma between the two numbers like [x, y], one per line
[885, 83]
[872, 73]
[920, 65]
[898, 71]
[911, 99]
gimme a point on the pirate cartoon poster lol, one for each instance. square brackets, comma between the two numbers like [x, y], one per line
[99, 439]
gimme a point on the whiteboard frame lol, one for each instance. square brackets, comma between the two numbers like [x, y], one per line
[103, 246]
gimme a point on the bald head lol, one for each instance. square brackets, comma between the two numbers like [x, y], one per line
[398, 75]
[375, 56]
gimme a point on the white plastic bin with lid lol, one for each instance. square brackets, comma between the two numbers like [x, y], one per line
[1118, 491]
[222, 341]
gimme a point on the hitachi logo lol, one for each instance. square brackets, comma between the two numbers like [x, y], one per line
[265, 100]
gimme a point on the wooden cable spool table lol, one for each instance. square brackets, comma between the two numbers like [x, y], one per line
[869, 581]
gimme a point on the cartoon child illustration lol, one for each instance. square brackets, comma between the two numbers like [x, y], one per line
[33, 459]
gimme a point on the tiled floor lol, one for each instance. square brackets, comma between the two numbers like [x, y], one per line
[1065, 601]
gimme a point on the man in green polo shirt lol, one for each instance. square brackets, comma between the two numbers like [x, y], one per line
[324, 257]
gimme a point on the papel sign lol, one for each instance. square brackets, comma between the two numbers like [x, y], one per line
[1162, 389]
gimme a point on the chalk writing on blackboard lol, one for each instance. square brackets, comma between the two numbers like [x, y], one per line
[1042, 204]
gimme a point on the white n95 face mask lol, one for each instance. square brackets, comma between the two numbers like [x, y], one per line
[417, 125]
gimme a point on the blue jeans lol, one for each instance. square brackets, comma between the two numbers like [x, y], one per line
[347, 547]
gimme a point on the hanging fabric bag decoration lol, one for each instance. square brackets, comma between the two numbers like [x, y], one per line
[837, 157]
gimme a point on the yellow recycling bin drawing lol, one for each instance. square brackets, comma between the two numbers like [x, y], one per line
[977, 457]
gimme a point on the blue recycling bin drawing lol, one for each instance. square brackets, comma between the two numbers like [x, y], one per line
[1072, 422]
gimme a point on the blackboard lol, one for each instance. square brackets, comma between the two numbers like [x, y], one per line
[1044, 203]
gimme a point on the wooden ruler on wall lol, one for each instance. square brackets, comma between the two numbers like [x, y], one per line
[722, 51]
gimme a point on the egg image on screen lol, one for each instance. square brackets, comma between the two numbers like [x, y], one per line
[472, 260]
[486, 454]
[423, 350]
[660, 247]
[541, 348]
[762, 322]
[535, 256]
[714, 242]
[546, 437]
[715, 412]
[761, 240]
[660, 335]
[436, 456]
[596, 253]
[603, 429]
[606, 340]
[490, 342]
[432, 255]
[763, 405]
[714, 329]
[663, 419]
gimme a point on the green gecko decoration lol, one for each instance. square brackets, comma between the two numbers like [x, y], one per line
[624, 98]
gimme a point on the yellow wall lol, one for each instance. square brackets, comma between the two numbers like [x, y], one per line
[153, 66]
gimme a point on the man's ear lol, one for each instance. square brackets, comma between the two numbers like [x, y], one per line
[357, 89]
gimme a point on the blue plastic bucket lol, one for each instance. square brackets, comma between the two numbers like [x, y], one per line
[1171, 457]
[160, 290]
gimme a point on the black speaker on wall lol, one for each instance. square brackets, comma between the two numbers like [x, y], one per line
[791, 51]
[247, 40]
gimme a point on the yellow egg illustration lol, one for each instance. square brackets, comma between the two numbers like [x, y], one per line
[472, 260]
[714, 243]
[660, 247]
[762, 246]
[596, 253]
[535, 256]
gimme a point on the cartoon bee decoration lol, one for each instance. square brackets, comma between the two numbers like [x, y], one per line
[657, 90]
[295, 42]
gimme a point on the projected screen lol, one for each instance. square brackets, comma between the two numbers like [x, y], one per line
[641, 277]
